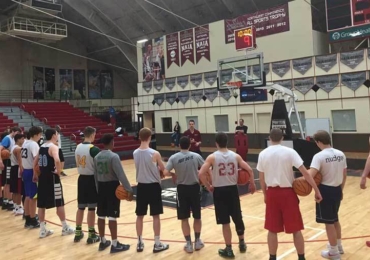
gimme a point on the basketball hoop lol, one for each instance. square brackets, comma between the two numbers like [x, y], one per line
[232, 86]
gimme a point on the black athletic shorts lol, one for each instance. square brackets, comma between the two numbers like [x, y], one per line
[149, 194]
[49, 191]
[5, 174]
[61, 156]
[188, 200]
[227, 204]
[108, 203]
[15, 181]
[87, 196]
[327, 210]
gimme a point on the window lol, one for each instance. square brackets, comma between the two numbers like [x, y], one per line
[263, 123]
[294, 122]
[344, 120]
[167, 124]
[222, 123]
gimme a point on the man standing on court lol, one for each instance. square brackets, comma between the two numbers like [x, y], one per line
[275, 166]
[225, 164]
[186, 166]
[61, 155]
[241, 127]
[15, 177]
[87, 196]
[195, 138]
[332, 165]
[148, 163]
[108, 175]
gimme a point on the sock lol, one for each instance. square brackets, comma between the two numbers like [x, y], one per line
[241, 240]
[333, 250]
[103, 240]
[140, 239]
[64, 224]
[339, 242]
[157, 240]
[188, 239]
[272, 257]
[91, 232]
[28, 218]
[301, 257]
[197, 236]
[78, 230]
[114, 242]
[228, 247]
[42, 225]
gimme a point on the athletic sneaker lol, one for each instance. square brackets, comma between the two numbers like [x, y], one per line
[188, 248]
[19, 212]
[119, 248]
[33, 224]
[78, 236]
[340, 249]
[93, 239]
[45, 232]
[242, 247]
[103, 246]
[160, 247]
[326, 254]
[198, 245]
[67, 231]
[227, 253]
[140, 247]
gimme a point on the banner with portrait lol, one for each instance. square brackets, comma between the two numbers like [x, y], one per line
[153, 60]
[79, 84]
[38, 83]
[65, 84]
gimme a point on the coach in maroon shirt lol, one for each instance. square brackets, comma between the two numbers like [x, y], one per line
[195, 138]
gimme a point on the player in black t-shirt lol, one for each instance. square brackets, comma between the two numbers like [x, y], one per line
[241, 127]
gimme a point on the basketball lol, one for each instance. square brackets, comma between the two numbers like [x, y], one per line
[318, 178]
[5, 154]
[302, 187]
[243, 177]
[208, 176]
[121, 193]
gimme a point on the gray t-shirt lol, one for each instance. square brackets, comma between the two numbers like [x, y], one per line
[186, 166]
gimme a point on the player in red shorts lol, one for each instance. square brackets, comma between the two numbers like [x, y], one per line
[275, 166]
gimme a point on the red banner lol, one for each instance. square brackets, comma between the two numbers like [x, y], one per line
[267, 22]
[202, 44]
[172, 42]
[187, 46]
[360, 12]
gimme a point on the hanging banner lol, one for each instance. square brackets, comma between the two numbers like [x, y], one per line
[187, 46]
[38, 83]
[267, 22]
[79, 83]
[183, 96]
[197, 95]
[183, 81]
[326, 62]
[196, 79]
[210, 77]
[202, 43]
[303, 85]
[147, 86]
[106, 84]
[170, 83]
[353, 80]
[65, 84]
[225, 94]
[211, 93]
[281, 68]
[170, 97]
[158, 84]
[285, 83]
[159, 99]
[172, 44]
[327, 83]
[302, 65]
[256, 69]
[352, 59]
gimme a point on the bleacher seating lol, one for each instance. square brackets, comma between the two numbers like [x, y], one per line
[5, 122]
[73, 121]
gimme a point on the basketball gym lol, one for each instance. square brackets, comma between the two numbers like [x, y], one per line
[120, 65]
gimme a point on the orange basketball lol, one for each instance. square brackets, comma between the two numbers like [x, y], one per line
[243, 177]
[208, 176]
[302, 187]
[318, 178]
[5, 154]
[121, 193]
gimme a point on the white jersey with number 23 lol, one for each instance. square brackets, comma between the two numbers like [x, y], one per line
[225, 169]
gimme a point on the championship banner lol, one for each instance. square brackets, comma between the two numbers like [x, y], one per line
[170, 97]
[172, 47]
[352, 59]
[79, 82]
[210, 77]
[106, 84]
[159, 99]
[281, 68]
[353, 80]
[183, 81]
[327, 83]
[158, 84]
[267, 22]
[170, 83]
[285, 83]
[256, 69]
[225, 94]
[187, 46]
[202, 43]
[183, 96]
[303, 85]
[211, 93]
[196, 79]
[302, 65]
[326, 62]
[197, 95]
[147, 86]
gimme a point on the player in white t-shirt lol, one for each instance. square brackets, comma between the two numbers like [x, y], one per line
[365, 173]
[275, 165]
[331, 163]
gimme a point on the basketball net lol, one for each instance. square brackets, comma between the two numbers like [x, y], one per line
[232, 86]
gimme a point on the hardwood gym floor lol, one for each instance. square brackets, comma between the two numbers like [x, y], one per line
[19, 243]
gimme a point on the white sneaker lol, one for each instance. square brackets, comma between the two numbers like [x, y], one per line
[68, 231]
[15, 210]
[198, 244]
[188, 248]
[340, 249]
[45, 232]
[19, 212]
[326, 254]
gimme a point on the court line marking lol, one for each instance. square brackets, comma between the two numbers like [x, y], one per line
[293, 249]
